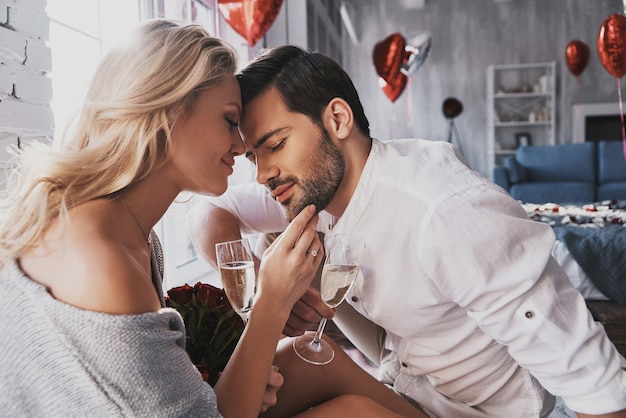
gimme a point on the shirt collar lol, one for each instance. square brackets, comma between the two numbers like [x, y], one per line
[363, 192]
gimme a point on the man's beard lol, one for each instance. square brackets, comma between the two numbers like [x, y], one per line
[322, 177]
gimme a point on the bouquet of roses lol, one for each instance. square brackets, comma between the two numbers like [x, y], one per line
[213, 328]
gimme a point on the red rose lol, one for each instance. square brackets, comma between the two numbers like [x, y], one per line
[212, 327]
[207, 294]
[181, 295]
[204, 371]
[224, 304]
[237, 322]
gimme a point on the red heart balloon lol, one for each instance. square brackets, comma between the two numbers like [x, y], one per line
[394, 89]
[389, 56]
[611, 44]
[250, 18]
[577, 56]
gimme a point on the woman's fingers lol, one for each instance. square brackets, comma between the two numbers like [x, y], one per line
[274, 382]
[300, 236]
[305, 221]
[301, 229]
[287, 269]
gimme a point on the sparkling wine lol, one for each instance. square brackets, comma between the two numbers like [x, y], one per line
[336, 281]
[238, 279]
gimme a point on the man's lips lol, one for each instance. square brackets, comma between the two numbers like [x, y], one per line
[282, 193]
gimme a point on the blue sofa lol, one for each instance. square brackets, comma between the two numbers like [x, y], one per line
[569, 173]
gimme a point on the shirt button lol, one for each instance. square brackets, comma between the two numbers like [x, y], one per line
[404, 364]
[354, 299]
[529, 314]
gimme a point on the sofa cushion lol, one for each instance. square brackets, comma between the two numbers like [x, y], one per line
[501, 177]
[559, 163]
[611, 163]
[515, 171]
[611, 191]
[554, 192]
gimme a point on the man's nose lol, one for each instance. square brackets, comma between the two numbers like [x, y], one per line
[265, 171]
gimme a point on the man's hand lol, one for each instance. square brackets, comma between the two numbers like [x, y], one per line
[308, 311]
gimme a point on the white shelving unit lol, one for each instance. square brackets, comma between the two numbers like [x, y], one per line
[521, 108]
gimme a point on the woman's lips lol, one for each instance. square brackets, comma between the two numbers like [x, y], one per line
[229, 164]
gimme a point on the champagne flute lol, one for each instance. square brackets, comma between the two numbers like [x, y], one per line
[236, 265]
[340, 270]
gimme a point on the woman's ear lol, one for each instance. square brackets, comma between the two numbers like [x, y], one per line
[338, 115]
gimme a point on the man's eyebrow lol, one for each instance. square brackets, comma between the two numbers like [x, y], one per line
[267, 136]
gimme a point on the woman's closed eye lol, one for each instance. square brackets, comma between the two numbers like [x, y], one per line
[231, 123]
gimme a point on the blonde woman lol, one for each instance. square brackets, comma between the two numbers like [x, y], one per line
[83, 324]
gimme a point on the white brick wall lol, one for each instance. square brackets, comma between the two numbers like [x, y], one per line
[25, 64]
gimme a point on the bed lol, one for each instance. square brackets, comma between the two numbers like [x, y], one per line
[591, 245]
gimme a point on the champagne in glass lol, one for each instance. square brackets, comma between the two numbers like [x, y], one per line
[340, 270]
[336, 282]
[236, 265]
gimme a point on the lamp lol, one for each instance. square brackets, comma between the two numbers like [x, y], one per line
[451, 108]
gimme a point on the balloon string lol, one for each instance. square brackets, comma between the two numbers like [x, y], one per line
[577, 115]
[621, 116]
[217, 22]
[409, 104]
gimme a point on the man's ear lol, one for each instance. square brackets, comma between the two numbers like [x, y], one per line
[339, 118]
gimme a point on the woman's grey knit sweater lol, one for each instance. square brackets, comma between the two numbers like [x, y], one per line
[60, 361]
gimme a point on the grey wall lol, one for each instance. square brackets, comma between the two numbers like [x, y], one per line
[468, 35]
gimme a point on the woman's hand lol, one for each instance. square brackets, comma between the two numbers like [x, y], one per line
[286, 271]
[274, 382]
[291, 261]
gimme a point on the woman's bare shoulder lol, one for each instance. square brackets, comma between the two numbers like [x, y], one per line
[112, 279]
[86, 264]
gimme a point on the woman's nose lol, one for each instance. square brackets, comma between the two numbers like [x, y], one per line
[237, 147]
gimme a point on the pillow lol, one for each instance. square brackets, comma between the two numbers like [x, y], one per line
[517, 172]
[563, 162]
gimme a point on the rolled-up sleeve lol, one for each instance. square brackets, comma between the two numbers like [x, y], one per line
[253, 207]
[505, 277]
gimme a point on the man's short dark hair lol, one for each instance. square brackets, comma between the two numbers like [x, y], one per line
[306, 81]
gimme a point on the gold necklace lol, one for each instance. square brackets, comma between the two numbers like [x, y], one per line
[135, 219]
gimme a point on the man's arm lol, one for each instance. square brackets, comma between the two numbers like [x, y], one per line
[246, 208]
[365, 335]
[519, 295]
[207, 225]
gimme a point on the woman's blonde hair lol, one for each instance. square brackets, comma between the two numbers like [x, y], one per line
[139, 90]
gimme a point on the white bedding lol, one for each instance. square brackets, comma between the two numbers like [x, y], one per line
[593, 215]
[577, 276]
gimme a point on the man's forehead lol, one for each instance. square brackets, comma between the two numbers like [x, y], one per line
[255, 112]
[269, 100]
[264, 115]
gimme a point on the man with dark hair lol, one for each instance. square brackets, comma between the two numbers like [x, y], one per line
[482, 320]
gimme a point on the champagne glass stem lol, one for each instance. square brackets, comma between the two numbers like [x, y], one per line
[315, 342]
